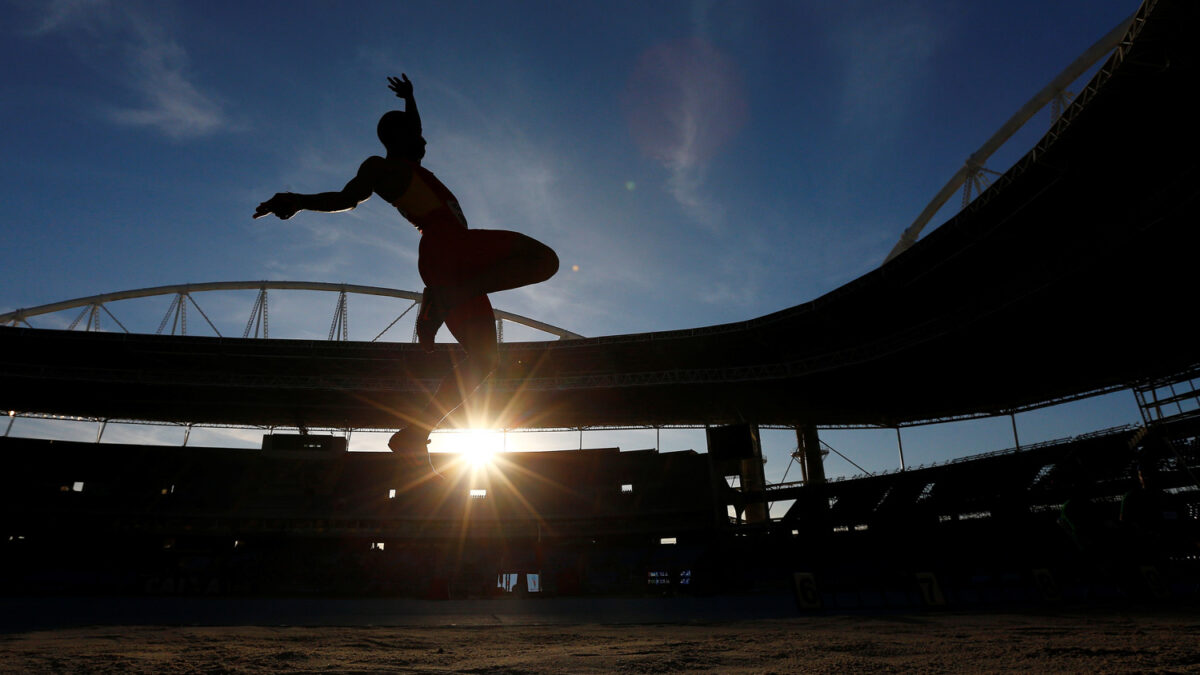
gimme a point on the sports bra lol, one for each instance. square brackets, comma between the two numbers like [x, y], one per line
[429, 205]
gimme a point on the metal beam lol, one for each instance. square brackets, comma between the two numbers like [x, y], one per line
[976, 160]
[21, 315]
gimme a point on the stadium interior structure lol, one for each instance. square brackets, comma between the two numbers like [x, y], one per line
[1069, 276]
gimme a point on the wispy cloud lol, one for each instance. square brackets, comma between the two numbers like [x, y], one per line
[172, 103]
[885, 51]
[62, 13]
[152, 65]
[684, 102]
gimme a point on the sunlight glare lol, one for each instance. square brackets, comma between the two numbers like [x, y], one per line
[478, 447]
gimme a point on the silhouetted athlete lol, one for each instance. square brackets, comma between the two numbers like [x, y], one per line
[459, 266]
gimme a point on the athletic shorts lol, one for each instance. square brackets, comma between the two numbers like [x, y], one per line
[454, 256]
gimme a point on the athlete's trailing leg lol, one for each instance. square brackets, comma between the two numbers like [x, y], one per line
[483, 262]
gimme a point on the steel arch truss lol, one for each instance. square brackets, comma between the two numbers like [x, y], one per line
[95, 306]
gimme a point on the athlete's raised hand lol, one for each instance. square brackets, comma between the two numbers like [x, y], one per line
[401, 86]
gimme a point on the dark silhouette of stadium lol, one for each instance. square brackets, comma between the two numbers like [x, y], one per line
[1070, 276]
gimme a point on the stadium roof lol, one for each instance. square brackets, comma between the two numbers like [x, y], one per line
[1073, 273]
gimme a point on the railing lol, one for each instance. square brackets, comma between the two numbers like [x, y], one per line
[1110, 431]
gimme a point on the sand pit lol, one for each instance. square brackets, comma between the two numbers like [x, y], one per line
[1065, 641]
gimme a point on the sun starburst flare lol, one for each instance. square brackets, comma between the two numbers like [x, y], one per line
[474, 447]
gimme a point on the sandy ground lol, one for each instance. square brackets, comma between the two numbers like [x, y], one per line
[1094, 641]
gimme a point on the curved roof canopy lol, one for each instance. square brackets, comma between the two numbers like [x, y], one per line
[1071, 274]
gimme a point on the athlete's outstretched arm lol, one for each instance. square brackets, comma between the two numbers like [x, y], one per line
[287, 204]
[404, 89]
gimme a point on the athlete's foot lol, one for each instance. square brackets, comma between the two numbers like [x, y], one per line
[411, 446]
[431, 317]
[410, 440]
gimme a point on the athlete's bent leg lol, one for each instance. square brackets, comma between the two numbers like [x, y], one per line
[485, 261]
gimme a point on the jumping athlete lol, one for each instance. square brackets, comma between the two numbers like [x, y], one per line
[459, 266]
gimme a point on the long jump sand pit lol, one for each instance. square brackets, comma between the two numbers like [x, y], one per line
[1064, 640]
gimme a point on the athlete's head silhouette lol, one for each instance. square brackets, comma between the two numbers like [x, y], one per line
[400, 133]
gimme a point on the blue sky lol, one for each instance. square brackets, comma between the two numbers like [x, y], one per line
[697, 162]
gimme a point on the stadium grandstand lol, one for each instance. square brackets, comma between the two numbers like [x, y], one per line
[1067, 277]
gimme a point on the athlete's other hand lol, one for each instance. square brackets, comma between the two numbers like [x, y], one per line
[284, 205]
[401, 86]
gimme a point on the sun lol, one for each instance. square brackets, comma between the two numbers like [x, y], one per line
[477, 447]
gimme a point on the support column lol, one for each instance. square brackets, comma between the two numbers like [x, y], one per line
[735, 450]
[810, 449]
[815, 504]
[754, 479]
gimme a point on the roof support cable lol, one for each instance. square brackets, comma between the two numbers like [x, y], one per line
[198, 309]
[114, 318]
[855, 464]
[788, 467]
[393, 323]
